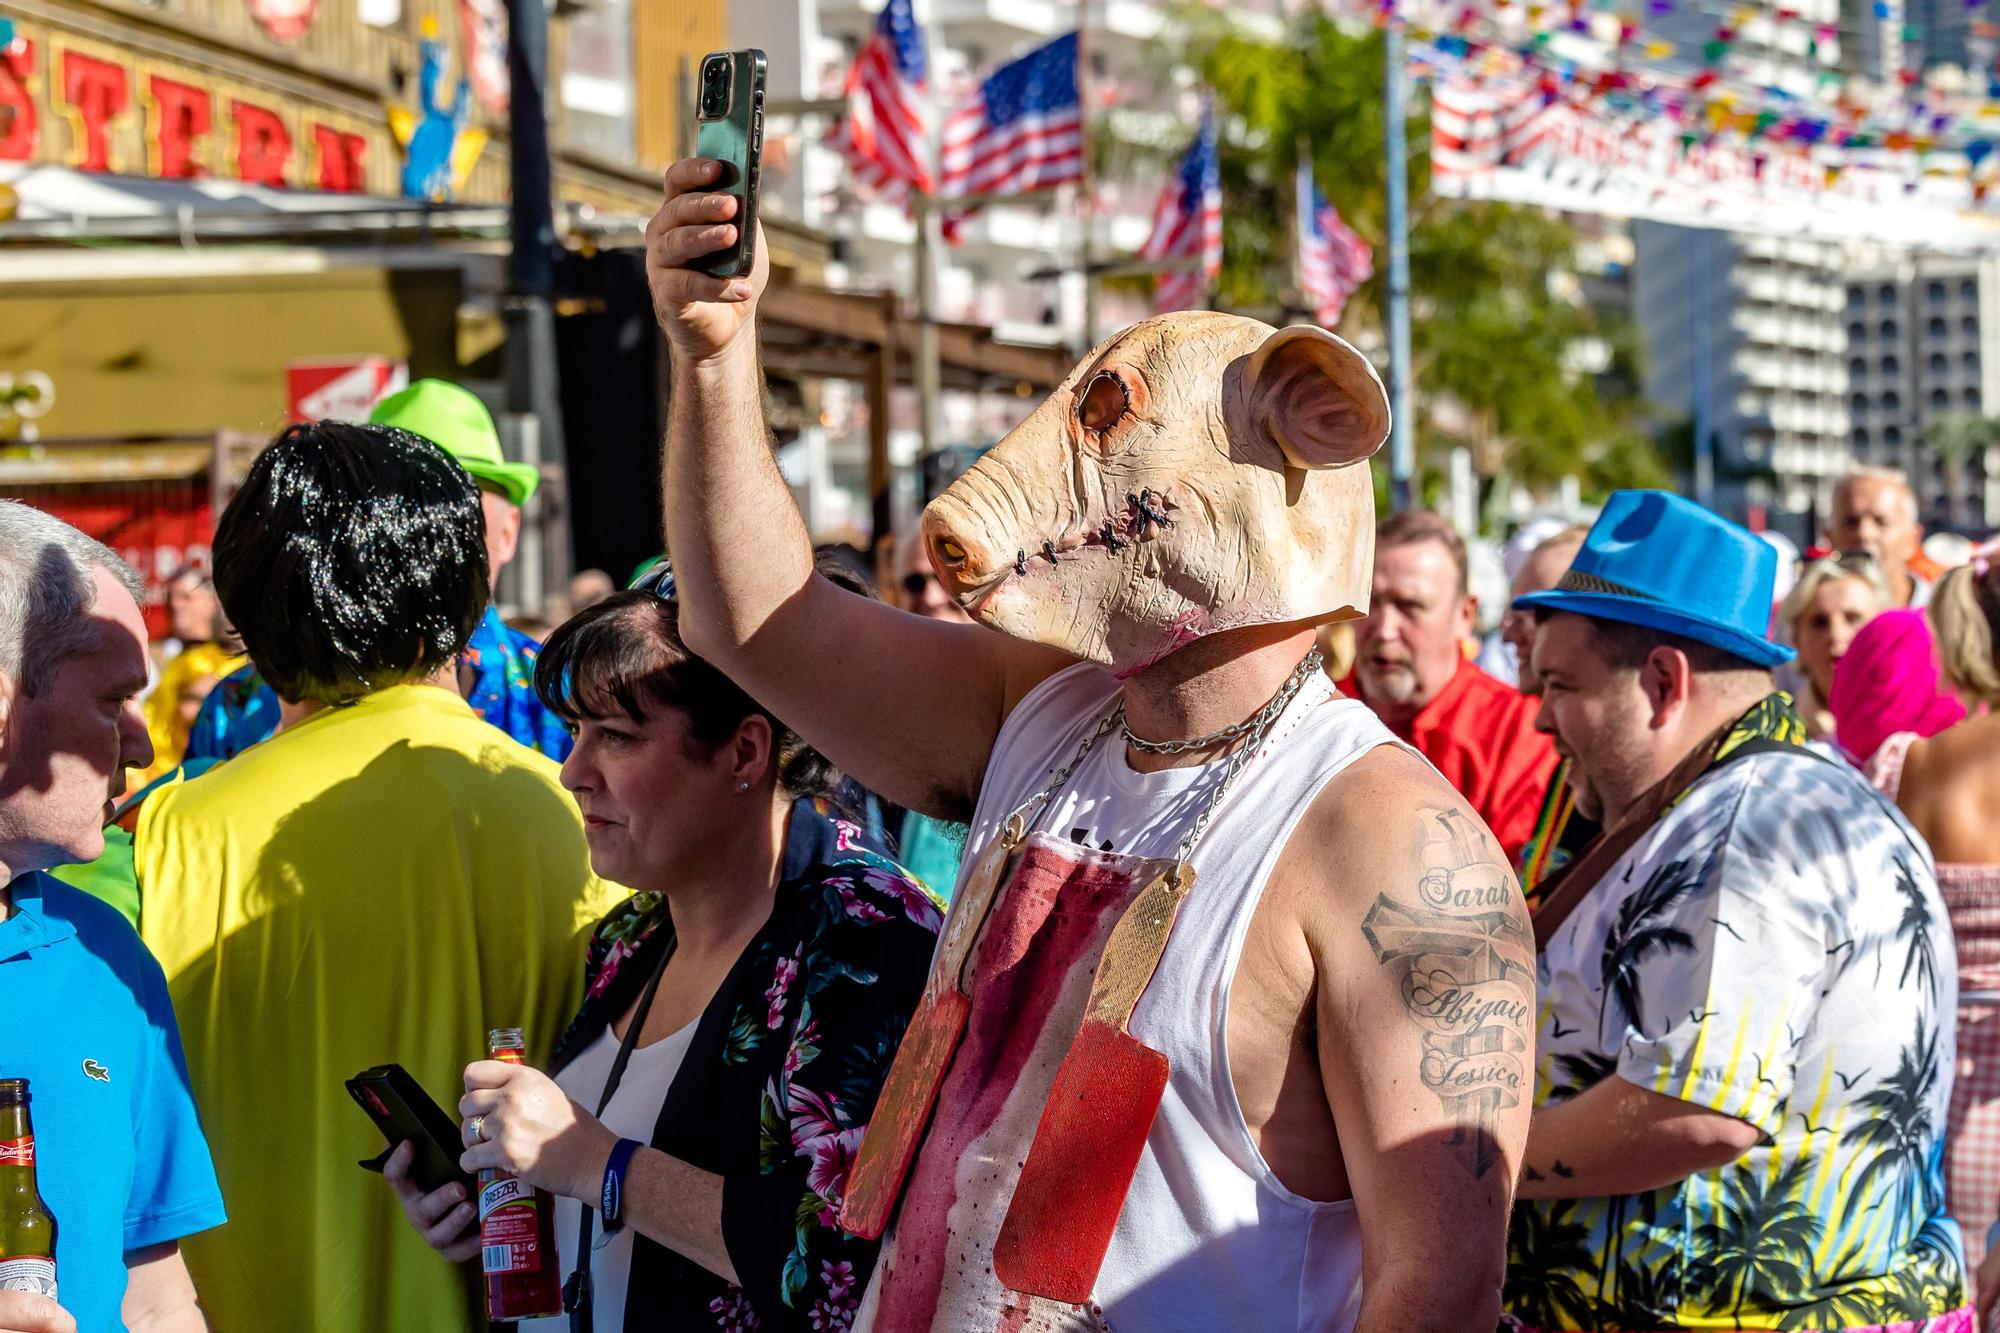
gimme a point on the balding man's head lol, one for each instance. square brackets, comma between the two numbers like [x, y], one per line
[1875, 510]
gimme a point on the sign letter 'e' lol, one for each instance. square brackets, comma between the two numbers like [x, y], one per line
[181, 116]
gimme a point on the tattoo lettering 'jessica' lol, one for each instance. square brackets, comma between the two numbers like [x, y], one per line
[1465, 964]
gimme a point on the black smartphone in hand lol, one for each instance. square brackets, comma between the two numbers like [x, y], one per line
[729, 116]
[402, 1110]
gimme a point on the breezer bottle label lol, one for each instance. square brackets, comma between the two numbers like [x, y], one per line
[35, 1275]
[508, 1224]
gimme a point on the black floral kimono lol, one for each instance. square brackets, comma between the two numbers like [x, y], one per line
[777, 1087]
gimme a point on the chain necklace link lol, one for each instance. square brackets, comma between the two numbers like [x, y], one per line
[1256, 728]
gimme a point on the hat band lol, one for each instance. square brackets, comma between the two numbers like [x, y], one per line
[1575, 581]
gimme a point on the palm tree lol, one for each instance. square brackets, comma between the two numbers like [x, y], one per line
[1916, 924]
[1641, 930]
[1762, 1239]
[1647, 1298]
[1494, 334]
[1956, 438]
[1550, 1250]
[1899, 1124]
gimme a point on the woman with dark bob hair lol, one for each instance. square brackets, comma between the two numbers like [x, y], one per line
[741, 1007]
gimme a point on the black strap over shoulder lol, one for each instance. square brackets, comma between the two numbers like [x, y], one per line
[576, 1292]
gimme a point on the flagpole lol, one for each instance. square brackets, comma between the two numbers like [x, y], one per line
[1087, 254]
[1402, 438]
[926, 373]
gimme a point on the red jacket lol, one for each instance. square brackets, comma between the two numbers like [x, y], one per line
[1481, 735]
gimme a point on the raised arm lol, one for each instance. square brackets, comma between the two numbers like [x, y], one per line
[1425, 1006]
[910, 707]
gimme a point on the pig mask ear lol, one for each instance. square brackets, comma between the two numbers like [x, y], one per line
[1317, 398]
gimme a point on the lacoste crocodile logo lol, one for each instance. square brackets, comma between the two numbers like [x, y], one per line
[92, 1069]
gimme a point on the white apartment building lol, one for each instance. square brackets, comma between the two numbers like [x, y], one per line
[1018, 267]
[1745, 333]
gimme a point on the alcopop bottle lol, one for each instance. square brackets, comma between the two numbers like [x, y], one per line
[517, 1228]
[27, 1229]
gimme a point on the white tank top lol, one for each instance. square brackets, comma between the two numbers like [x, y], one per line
[1208, 1239]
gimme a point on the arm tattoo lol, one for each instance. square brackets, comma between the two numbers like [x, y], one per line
[1465, 969]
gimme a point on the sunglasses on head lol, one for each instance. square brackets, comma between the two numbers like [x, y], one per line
[657, 579]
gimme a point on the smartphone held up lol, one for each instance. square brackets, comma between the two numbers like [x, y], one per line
[729, 118]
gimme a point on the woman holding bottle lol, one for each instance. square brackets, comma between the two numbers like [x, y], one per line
[741, 1007]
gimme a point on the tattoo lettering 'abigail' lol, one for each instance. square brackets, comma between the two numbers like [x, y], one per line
[1465, 966]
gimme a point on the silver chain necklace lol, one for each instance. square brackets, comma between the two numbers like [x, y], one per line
[1228, 735]
[1255, 728]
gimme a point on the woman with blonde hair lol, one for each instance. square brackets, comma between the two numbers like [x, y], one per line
[1834, 597]
[1949, 788]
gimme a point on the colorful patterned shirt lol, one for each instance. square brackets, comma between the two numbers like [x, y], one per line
[502, 662]
[1775, 949]
[243, 710]
[779, 1080]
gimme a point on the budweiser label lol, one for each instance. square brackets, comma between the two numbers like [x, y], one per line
[17, 1152]
[36, 1275]
[507, 1228]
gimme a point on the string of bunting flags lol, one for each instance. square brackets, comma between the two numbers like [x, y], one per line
[1572, 107]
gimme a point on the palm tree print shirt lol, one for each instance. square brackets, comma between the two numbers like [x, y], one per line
[1774, 949]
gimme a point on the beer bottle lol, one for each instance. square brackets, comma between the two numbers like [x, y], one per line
[517, 1228]
[27, 1230]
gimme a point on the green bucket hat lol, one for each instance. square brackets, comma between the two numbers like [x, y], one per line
[456, 421]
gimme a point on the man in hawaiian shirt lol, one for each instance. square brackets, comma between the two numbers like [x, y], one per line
[497, 669]
[1745, 1046]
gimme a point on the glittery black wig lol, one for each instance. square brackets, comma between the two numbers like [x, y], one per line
[353, 558]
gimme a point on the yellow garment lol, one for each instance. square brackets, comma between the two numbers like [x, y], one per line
[193, 671]
[381, 882]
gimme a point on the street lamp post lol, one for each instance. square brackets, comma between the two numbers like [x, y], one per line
[1402, 430]
[532, 396]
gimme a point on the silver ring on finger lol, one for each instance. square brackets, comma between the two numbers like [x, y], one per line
[476, 1127]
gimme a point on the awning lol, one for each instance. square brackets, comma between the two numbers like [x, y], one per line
[79, 465]
[60, 204]
[811, 330]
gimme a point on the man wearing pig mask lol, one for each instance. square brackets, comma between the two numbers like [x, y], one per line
[1231, 1024]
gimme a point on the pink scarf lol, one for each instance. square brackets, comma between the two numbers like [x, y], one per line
[1888, 682]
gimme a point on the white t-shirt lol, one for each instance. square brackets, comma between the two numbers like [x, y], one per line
[633, 1112]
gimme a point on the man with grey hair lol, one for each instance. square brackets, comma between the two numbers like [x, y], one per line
[1875, 510]
[119, 1154]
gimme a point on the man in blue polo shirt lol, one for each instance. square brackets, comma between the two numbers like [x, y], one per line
[121, 1161]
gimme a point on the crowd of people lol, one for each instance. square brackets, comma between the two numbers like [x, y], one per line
[1159, 962]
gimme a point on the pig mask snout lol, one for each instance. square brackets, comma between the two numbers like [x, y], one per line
[1192, 476]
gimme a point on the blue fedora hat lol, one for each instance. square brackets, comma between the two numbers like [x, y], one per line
[1655, 559]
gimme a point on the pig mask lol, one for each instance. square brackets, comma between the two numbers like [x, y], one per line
[1197, 473]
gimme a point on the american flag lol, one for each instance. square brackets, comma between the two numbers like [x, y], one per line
[1188, 223]
[885, 134]
[1333, 260]
[1022, 130]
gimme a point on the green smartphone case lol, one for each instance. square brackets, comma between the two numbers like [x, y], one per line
[736, 139]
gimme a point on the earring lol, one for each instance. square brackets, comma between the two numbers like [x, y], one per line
[743, 786]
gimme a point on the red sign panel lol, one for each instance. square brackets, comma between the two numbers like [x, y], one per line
[345, 389]
[157, 527]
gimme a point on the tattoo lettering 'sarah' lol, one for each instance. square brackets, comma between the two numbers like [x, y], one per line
[1466, 972]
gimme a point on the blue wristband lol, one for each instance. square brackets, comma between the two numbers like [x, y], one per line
[611, 1198]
